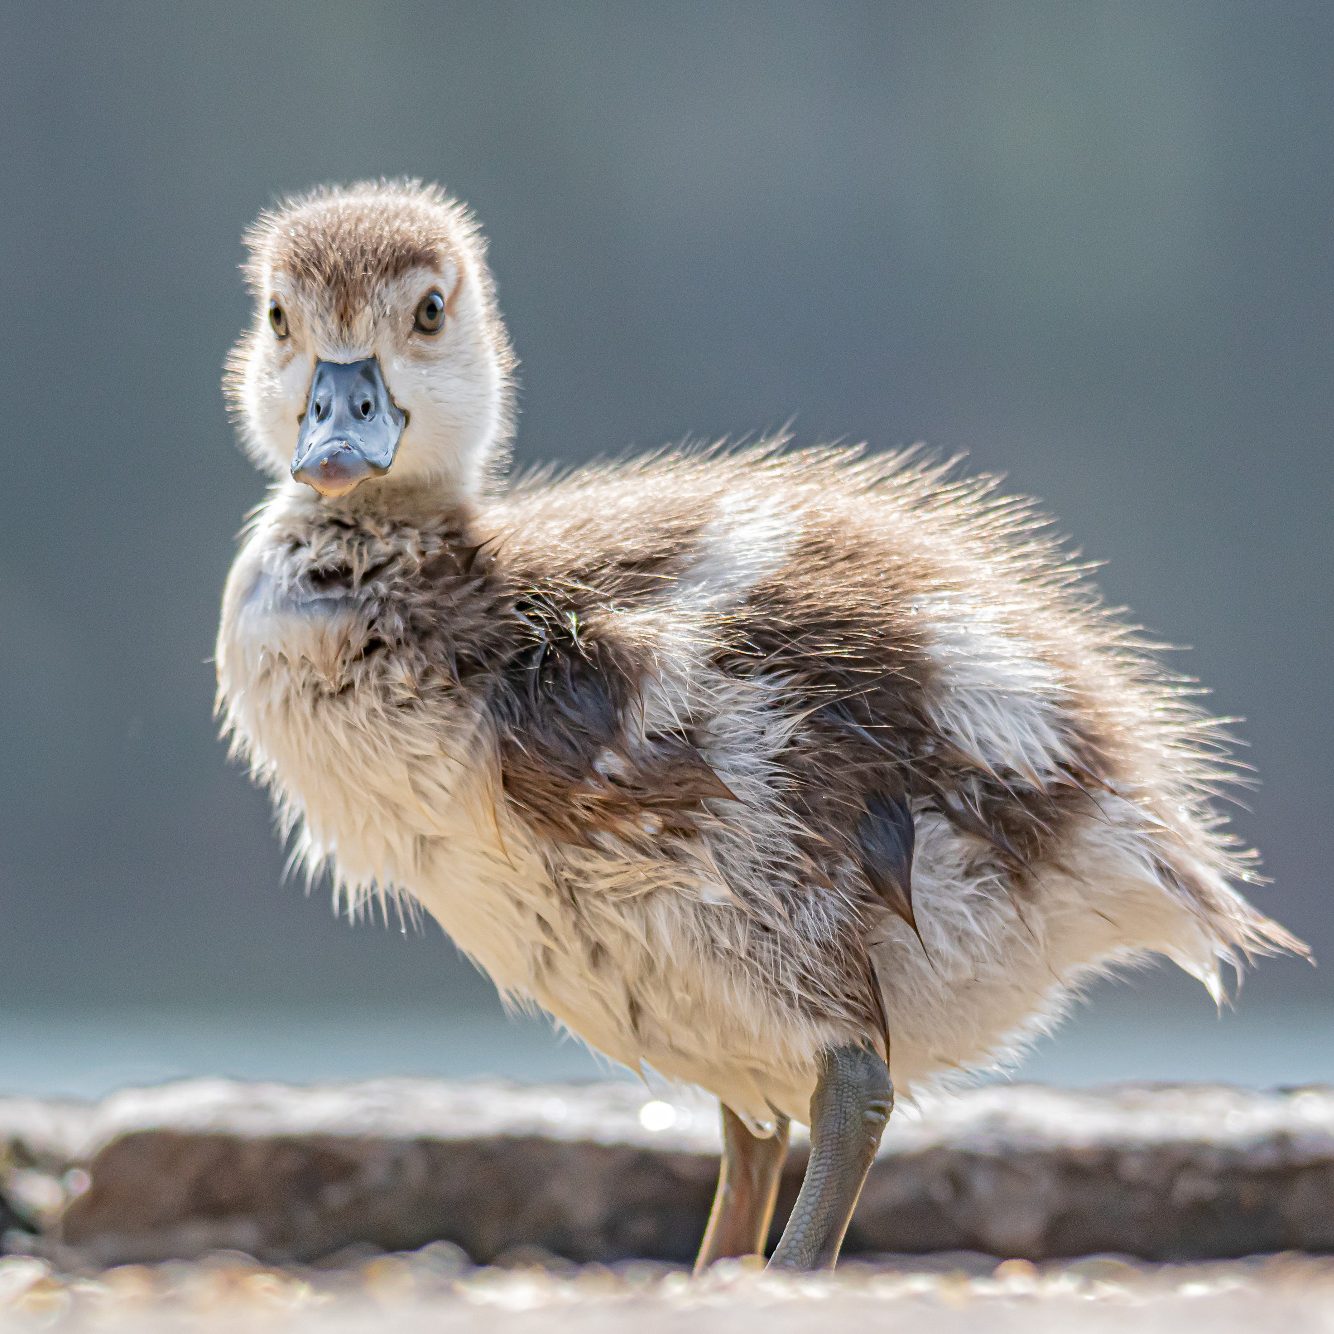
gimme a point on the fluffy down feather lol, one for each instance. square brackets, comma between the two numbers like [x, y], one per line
[723, 756]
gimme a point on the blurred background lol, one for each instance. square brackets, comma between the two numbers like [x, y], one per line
[1089, 244]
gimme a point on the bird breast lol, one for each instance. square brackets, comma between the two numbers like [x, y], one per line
[312, 631]
[366, 775]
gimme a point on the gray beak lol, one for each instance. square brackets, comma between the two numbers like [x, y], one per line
[350, 430]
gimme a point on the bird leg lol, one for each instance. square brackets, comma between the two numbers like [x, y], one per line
[743, 1206]
[849, 1110]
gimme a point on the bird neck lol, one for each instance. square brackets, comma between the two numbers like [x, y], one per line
[383, 506]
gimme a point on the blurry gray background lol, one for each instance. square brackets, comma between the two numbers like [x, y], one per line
[1090, 244]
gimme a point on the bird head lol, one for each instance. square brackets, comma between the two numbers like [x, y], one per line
[376, 357]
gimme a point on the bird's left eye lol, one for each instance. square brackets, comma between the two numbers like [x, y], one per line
[430, 317]
[278, 319]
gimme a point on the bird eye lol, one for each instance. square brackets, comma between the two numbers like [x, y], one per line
[278, 319]
[430, 317]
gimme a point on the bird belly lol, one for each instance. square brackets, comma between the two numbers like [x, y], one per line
[395, 798]
[624, 973]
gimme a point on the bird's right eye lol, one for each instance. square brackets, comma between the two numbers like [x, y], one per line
[278, 319]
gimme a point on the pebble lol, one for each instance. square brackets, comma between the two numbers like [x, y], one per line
[437, 1289]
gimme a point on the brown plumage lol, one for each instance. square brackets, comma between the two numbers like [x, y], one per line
[736, 762]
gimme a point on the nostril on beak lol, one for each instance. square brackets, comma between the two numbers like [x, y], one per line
[350, 429]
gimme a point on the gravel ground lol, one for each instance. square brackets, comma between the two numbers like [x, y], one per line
[436, 1290]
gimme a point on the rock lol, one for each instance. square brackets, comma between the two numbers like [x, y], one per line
[604, 1172]
[38, 1141]
[295, 1174]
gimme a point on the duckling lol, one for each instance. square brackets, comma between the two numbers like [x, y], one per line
[801, 776]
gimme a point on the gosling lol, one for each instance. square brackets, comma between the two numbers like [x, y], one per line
[782, 773]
